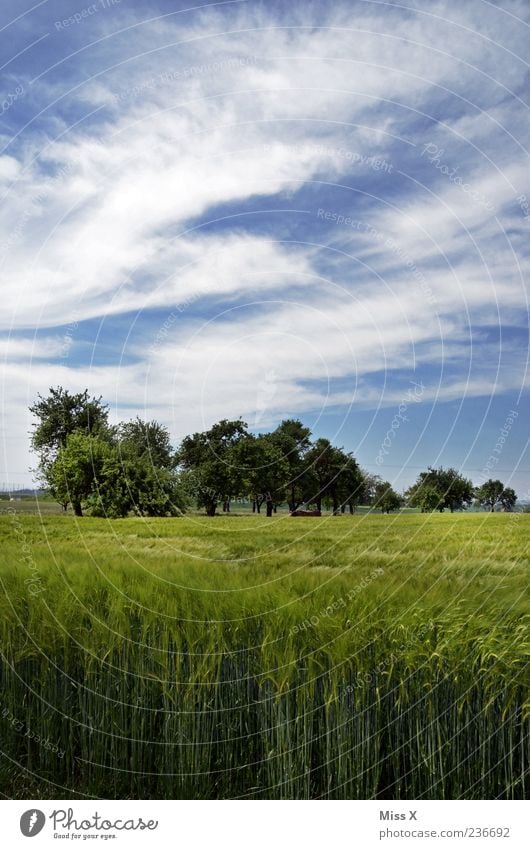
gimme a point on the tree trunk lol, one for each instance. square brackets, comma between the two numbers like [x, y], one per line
[270, 508]
[77, 508]
[254, 506]
[210, 509]
[352, 510]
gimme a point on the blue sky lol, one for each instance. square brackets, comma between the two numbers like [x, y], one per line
[269, 210]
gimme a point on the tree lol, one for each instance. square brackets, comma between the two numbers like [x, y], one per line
[367, 492]
[352, 484]
[74, 473]
[493, 493]
[339, 479]
[428, 499]
[264, 471]
[386, 498]
[137, 474]
[210, 465]
[60, 415]
[453, 490]
[134, 484]
[293, 440]
[114, 471]
[508, 499]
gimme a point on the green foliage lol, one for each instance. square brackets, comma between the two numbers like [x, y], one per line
[149, 440]
[385, 498]
[131, 468]
[61, 414]
[209, 462]
[440, 489]
[338, 478]
[493, 493]
[132, 484]
[73, 475]
[263, 470]
[111, 471]
[294, 440]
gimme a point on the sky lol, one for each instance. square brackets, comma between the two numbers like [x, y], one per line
[272, 210]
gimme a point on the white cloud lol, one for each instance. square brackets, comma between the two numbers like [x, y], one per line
[223, 114]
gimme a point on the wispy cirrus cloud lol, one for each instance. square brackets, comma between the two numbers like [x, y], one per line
[169, 166]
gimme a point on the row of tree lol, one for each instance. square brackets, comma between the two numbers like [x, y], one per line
[131, 467]
[440, 489]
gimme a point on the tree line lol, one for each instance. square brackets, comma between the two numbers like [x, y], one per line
[115, 470]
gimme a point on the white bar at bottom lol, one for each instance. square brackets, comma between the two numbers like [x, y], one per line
[265, 825]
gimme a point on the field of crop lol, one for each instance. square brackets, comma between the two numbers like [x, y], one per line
[344, 657]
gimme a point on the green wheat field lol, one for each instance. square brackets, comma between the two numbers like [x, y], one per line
[351, 657]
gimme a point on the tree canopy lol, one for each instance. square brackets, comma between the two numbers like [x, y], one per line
[61, 414]
[111, 470]
[440, 489]
[493, 493]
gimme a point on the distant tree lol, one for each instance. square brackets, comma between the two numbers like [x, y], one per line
[386, 498]
[493, 493]
[339, 479]
[425, 496]
[370, 483]
[508, 499]
[352, 484]
[453, 491]
[209, 463]
[326, 462]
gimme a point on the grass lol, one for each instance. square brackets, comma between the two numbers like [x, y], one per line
[344, 657]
